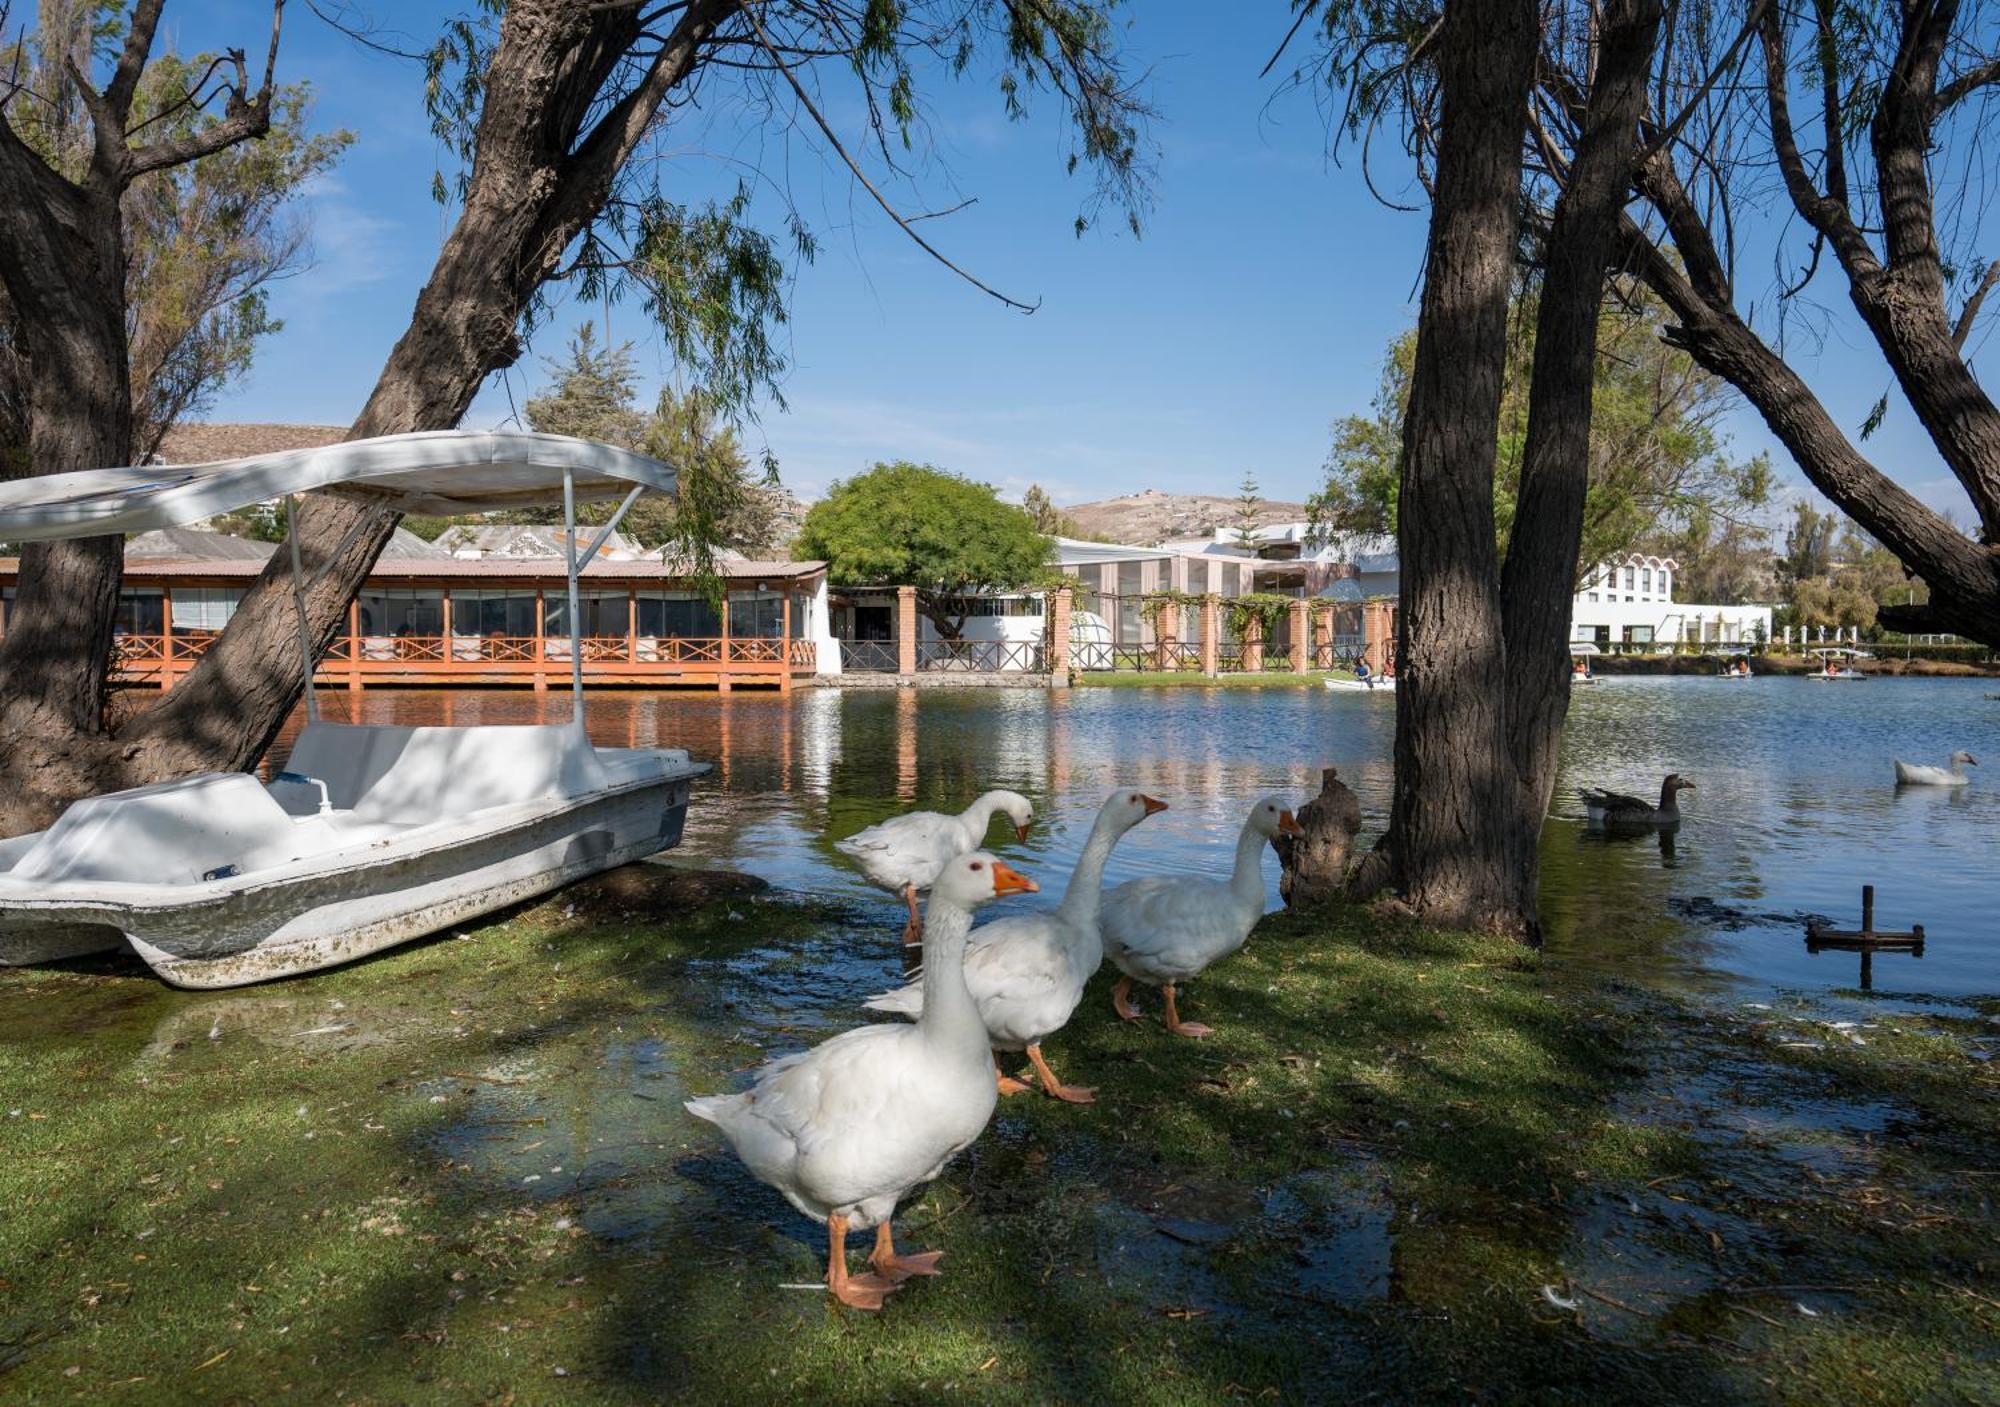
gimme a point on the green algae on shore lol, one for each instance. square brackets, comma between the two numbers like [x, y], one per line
[1410, 1165]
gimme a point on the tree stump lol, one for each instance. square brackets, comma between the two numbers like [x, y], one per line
[1314, 864]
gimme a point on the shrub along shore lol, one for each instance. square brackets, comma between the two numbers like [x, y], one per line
[1410, 1166]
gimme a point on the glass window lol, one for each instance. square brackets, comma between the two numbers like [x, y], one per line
[1593, 595]
[205, 607]
[1198, 579]
[756, 613]
[482, 612]
[679, 615]
[394, 610]
[1628, 578]
[1646, 579]
[1666, 587]
[1639, 634]
[141, 611]
[1128, 603]
[605, 613]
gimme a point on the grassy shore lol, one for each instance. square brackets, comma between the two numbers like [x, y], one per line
[1409, 1167]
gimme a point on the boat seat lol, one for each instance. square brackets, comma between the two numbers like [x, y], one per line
[392, 775]
[172, 833]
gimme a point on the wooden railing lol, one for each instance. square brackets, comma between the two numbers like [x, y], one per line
[495, 658]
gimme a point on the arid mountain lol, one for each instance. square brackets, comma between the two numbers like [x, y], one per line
[1143, 519]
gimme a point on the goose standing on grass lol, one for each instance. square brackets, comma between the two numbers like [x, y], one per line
[1165, 929]
[1615, 809]
[846, 1129]
[1918, 774]
[1027, 972]
[905, 853]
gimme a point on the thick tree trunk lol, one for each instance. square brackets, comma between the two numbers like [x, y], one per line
[1453, 777]
[1538, 583]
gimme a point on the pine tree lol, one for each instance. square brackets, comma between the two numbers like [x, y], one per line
[1039, 506]
[593, 394]
[1247, 504]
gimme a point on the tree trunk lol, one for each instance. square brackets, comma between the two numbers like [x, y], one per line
[1538, 583]
[1453, 780]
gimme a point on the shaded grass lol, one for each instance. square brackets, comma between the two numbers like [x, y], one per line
[484, 1185]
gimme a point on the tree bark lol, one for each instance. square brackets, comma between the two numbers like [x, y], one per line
[1538, 582]
[1453, 779]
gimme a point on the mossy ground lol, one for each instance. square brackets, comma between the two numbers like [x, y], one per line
[461, 1172]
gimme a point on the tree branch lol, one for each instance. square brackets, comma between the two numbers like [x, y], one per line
[1968, 83]
[124, 84]
[1971, 308]
[1825, 214]
[854, 167]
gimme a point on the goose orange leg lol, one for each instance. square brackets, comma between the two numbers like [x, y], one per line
[854, 1291]
[898, 1268]
[1055, 1088]
[1007, 1083]
[1174, 1022]
[1121, 1000]
[913, 930]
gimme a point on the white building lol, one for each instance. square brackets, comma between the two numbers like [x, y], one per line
[1630, 601]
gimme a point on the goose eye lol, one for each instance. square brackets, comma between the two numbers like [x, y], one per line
[977, 865]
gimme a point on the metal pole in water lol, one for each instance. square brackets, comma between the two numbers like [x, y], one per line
[1867, 908]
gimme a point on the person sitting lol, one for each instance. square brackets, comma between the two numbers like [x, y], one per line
[1361, 670]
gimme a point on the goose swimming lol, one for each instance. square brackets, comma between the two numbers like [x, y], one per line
[1918, 774]
[1610, 808]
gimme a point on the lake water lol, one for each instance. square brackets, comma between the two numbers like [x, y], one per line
[1795, 807]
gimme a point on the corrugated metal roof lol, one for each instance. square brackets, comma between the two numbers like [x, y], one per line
[454, 569]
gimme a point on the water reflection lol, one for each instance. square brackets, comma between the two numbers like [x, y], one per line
[1796, 804]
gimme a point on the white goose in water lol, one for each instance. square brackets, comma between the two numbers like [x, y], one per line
[1917, 774]
[905, 853]
[1164, 929]
[1027, 972]
[846, 1129]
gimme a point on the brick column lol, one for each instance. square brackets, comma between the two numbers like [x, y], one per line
[1165, 630]
[1375, 634]
[1055, 642]
[1211, 634]
[1302, 649]
[906, 630]
[1322, 634]
[1253, 645]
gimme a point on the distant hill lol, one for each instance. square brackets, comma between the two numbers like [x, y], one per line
[1143, 519]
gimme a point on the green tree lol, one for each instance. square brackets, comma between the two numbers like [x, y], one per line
[1809, 543]
[1042, 510]
[1245, 534]
[593, 396]
[917, 525]
[1657, 460]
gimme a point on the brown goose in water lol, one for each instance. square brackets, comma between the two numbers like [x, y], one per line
[1610, 808]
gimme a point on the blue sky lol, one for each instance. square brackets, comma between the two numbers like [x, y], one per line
[1254, 310]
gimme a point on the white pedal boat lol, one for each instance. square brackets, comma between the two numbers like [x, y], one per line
[372, 836]
[1347, 684]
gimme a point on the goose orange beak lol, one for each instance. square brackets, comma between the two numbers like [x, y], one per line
[1021, 831]
[1152, 804]
[1288, 824]
[1008, 880]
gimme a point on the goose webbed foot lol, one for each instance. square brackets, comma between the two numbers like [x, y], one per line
[895, 1267]
[1055, 1088]
[1177, 1026]
[865, 1291]
[1121, 1000]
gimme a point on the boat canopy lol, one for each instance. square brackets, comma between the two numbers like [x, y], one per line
[442, 472]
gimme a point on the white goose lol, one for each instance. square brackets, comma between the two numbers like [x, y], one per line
[846, 1129]
[905, 853]
[1918, 774]
[1164, 929]
[1027, 972]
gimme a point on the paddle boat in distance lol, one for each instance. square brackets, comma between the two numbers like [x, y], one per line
[371, 836]
[1581, 652]
[1837, 664]
[1354, 684]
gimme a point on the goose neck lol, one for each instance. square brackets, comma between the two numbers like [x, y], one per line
[1247, 879]
[1083, 897]
[950, 1015]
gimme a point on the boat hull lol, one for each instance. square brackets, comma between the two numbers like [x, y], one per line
[1361, 686]
[289, 926]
